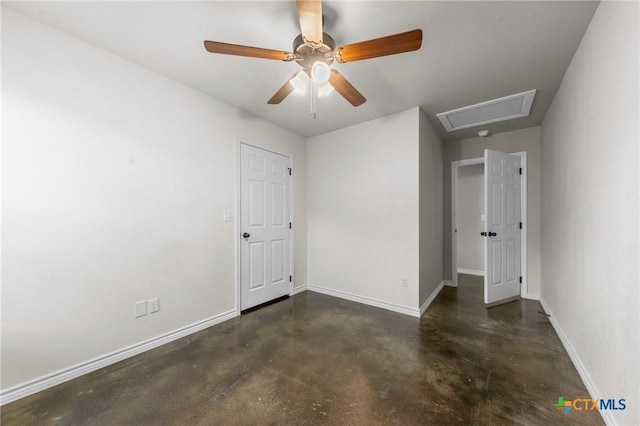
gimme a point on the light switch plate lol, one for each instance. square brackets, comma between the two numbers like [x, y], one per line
[226, 216]
[153, 305]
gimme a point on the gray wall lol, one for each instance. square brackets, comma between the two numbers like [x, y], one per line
[590, 254]
[114, 183]
[430, 194]
[470, 224]
[362, 204]
[517, 141]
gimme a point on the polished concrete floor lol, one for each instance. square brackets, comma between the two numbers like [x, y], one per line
[315, 359]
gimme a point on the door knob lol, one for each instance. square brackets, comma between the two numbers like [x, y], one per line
[492, 234]
[484, 234]
[246, 235]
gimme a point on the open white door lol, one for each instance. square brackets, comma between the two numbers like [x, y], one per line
[502, 208]
[265, 255]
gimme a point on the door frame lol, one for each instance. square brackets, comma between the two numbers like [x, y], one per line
[237, 227]
[524, 288]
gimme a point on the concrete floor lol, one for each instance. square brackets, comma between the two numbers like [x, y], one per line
[315, 359]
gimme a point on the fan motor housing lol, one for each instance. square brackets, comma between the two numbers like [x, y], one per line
[306, 55]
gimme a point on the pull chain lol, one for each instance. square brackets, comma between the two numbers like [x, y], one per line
[313, 94]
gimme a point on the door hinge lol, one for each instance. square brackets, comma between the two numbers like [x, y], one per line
[290, 278]
[520, 225]
[290, 171]
[520, 170]
[290, 225]
[520, 280]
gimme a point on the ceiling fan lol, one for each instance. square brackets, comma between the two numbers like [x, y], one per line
[315, 51]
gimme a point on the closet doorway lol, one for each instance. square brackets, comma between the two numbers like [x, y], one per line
[488, 223]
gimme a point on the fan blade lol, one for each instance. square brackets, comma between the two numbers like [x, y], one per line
[254, 52]
[345, 88]
[389, 45]
[310, 16]
[282, 92]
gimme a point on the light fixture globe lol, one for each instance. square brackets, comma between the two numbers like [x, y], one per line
[299, 82]
[320, 72]
[325, 89]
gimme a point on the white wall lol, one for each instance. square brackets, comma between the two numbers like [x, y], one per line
[430, 214]
[590, 254]
[525, 140]
[362, 204]
[114, 180]
[470, 224]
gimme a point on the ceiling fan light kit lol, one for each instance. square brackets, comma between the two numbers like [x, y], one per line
[315, 51]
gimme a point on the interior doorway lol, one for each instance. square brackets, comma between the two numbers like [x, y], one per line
[265, 226]
[503, 270]
[470, 220]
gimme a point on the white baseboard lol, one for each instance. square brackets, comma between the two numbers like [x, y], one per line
[431, 298]
[28, 388]
[471, 272]
[577, 362]
[414, 312]
[379, 303]
[297, 290]
[532, 296]
[450, 283]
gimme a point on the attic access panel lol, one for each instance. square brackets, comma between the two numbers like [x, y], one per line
[493, 111]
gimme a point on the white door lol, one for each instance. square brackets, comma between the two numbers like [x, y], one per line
[503, 234]
[265, 255]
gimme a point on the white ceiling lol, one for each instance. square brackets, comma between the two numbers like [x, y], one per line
[471, 52]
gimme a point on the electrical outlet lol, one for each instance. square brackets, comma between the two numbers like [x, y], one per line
[403, 281]
[140, 309]
[153, 305]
